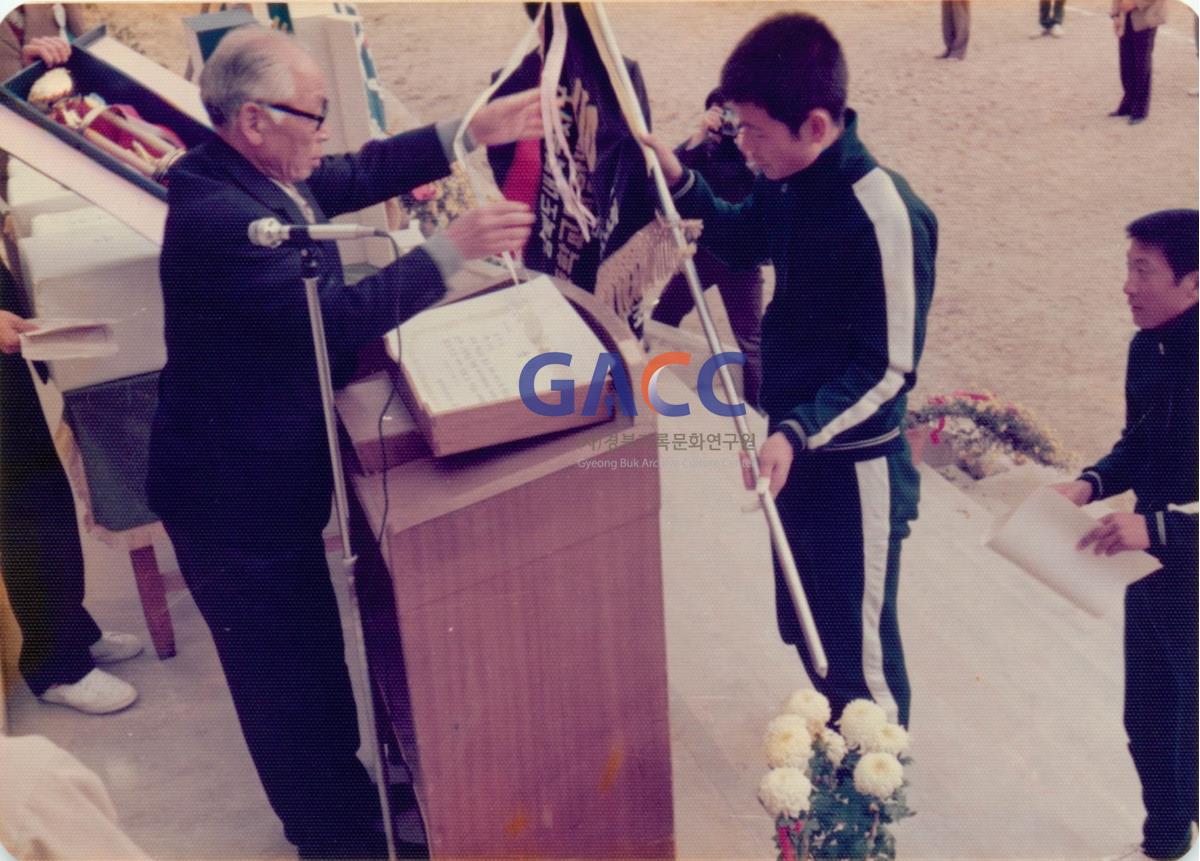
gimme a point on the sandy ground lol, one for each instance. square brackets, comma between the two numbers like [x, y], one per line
[1031, 182]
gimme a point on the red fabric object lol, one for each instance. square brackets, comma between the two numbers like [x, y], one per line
[525, 175]
[786, 850]
[81, 108]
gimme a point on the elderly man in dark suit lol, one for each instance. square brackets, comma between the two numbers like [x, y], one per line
[239, 463]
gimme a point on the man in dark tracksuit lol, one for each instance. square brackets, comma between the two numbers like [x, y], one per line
[1156, 457]
[853, 250]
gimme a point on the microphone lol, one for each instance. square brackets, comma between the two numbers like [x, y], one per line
[270, 233]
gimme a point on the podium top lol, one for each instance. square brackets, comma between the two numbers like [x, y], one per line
[422, 487]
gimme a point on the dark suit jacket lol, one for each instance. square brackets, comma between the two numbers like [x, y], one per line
[238, 443]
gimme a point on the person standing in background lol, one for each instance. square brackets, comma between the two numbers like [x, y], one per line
[956, 29]
[713, 153]
[1050, 16]
[40, 551]
[1136, 22]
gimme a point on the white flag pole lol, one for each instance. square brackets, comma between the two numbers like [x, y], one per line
[598, 19]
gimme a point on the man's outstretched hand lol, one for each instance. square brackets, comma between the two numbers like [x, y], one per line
[510, 118]
[491, 229]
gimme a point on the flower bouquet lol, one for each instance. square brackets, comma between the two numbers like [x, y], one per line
[981, 427]
[832, 794]
[437, 203]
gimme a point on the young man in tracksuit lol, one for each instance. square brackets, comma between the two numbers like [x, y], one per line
[1156, 458]
[853, 250]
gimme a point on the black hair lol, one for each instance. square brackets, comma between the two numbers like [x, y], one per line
[789, 65]
[1174, 232]
[715, 97]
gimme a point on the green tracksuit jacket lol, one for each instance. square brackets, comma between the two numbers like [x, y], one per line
[853, 249]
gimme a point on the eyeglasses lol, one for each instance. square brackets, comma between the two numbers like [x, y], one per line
[319, 119]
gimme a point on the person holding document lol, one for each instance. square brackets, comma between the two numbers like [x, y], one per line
[1156, 457]
[41, 556]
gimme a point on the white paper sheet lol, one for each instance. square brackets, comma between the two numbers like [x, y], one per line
[1039, 536]
[470, 353]
[59, 339]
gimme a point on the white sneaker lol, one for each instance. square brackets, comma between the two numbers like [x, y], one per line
[1044, 31]
[97, 693]
[1056, 31]
[114, 646]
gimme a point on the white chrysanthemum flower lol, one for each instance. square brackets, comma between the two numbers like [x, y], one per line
[812, 706]
[785, 792]
[891, 738]
[792, 749]
[833, 745]
[878, 774]
[861, 721]
[787, 742]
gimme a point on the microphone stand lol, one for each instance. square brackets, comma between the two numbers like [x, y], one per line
[308, 272]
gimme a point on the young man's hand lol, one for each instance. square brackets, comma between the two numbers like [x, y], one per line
[1078, 491]
[672, 169]
[775, 461]
[1117, 532]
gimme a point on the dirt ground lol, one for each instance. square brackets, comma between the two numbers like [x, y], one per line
[1031, 182]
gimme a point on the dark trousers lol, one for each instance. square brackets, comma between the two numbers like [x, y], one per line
[1050, 12]
[40, 553]
[1160, 704]
[274, 619]
[956, 27]
[845, 522]
[1135, 50]
[741, 294]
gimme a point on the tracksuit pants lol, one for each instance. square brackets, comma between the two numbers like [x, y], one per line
[1160, 704]
[845, 520]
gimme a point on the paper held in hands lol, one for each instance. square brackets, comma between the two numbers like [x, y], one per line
[58, 339]
[1040, 536]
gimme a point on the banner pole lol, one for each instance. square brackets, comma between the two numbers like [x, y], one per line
[783, 551]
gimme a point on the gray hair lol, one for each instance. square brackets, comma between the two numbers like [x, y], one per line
[251, 64]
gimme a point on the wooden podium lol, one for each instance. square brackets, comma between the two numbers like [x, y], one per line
[514, 627]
